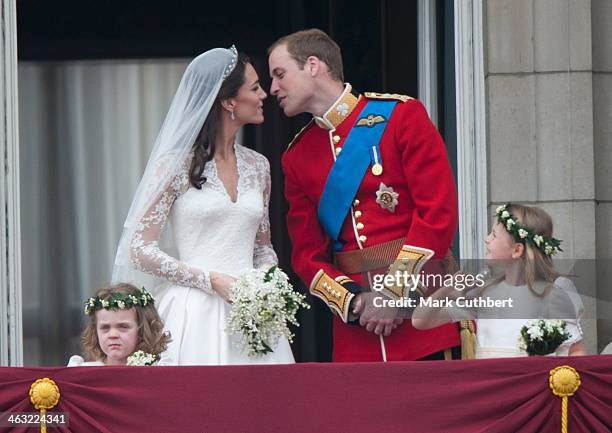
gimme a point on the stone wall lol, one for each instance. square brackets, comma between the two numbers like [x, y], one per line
[602, 134]
[549, 121]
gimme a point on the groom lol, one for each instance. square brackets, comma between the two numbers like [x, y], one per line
[367, 180]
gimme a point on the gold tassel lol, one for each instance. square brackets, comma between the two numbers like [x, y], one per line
[468, 339]
[467, 330]
[44, 394]
[564, 382]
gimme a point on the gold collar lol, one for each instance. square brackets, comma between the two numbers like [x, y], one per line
[339, 110]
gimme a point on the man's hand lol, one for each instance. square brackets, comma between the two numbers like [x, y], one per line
[380, 320]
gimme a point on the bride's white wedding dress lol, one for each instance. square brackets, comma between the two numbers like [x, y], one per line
[211, 233]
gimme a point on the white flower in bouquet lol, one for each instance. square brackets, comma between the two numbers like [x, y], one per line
[541, 337]
[535, 333]
[263, 305]
[141, 358]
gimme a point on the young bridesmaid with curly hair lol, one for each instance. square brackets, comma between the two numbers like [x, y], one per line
[124, 320]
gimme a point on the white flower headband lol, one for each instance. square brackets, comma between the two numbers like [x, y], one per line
[548, 246]
[119, 301]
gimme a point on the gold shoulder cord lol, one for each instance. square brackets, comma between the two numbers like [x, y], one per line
[394, 96]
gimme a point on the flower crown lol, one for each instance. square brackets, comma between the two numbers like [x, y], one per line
[548, 246]
[119, 301]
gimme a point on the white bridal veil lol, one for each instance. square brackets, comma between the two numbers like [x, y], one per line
[190, 107]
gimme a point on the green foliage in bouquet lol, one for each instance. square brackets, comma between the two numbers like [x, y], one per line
[542, 337]
[263, 305]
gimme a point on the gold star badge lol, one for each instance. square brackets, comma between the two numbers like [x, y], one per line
[386, 197]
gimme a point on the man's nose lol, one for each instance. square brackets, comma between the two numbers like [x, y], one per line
[273, 87]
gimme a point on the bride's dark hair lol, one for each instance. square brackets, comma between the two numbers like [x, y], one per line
[204, 145]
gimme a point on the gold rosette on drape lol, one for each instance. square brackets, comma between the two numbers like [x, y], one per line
[44, 395]
[564, 382]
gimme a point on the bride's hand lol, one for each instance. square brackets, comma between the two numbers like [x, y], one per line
[221, 283]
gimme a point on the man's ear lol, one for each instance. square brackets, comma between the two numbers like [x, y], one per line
[313, 65]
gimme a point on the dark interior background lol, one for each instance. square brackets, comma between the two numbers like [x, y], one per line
[378, 41]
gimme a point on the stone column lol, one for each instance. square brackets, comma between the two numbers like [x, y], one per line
[539, 80]
[10, 246]
[602, 133]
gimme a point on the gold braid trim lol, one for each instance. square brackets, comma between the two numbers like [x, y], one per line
[394, 96]
[409, 261]
[330, 291]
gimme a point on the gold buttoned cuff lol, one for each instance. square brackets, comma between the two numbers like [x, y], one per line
[331, 291]
[409, 261]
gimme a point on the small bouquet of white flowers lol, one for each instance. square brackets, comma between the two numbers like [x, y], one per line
[142, 358]
[263, 304]
[541, 337]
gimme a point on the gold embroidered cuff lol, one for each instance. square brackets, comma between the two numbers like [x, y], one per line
[330, 291]
[409, 261]
[342, 279]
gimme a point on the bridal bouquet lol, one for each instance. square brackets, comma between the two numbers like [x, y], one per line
[142, 358]
[541, 337]
[263, 304]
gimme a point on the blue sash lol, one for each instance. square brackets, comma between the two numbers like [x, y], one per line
[349, 169]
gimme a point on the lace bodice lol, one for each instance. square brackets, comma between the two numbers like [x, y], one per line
[210, 232]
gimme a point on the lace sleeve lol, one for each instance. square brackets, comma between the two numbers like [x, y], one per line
[145, 254]
[264, 256]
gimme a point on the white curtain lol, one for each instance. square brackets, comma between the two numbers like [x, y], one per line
[86, 129]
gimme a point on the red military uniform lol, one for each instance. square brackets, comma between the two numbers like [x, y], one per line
[417, 171]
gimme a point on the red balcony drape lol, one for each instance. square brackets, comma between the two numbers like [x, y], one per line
[502, 395]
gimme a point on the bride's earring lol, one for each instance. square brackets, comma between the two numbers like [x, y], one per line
[232, 115]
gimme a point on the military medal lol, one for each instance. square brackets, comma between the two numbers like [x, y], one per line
[386, 197]
[377, 168]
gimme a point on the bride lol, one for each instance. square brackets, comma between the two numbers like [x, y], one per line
[215, 194]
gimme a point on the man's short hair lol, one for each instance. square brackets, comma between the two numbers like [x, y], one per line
[313, 42]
